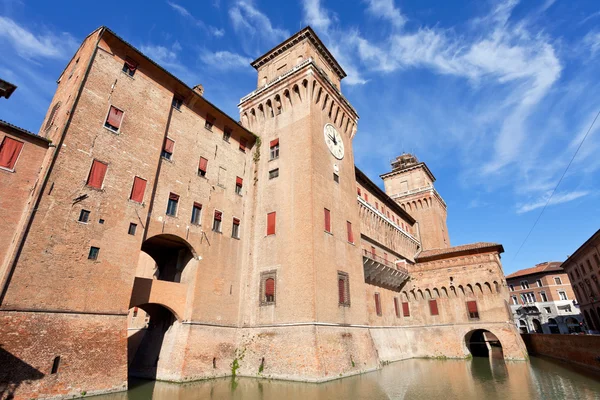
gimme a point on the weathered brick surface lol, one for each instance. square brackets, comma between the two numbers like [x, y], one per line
[578, 349]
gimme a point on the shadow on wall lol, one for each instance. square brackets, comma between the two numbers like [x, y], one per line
[14, 372]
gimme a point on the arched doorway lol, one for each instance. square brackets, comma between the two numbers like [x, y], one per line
[573, 325]
[523, 326]
[483, 343]
[553, 325]
[537, 326]
[170, 255]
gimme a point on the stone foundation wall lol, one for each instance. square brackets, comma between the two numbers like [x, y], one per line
[578, 349]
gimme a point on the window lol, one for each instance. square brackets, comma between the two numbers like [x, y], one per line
[557, 280]
[202, 166]
[472, 310]
[93, 254]
[97, 173]
[217, 221]
[366, 197]
[239, 182]
[130, 66]
[138, 189]
[589, 263]
[55, 365]
[132, 229]
[538, 282]
[378, 304]
[327, 215]
[271, 218]
[336, 178]
[226, 134]
[377, 206]
[113, 121]
[243, 143]
[274, 149]
[101, 221]
[235, 229]
[177, 103]
[543, 296]
[405, 309]
[210, 121]
[350, 233]
[9, 152]
[274, 173]
[167, 152]
[512, 287]
[433, 307]
[343, 289]
[358, 191]
[267, 288]
[84, 216]
[548, 310]
[396, 307]
[196, 213]
[562, 295]
[524, 285]
[528, 297]
[172, 204]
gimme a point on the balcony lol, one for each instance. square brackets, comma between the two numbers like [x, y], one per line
[384, 273]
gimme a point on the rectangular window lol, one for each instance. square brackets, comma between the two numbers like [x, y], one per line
[202, 166]
[243, 143]
[538, 282]
[167, 152]
[226, 134]
[358, 191]
[524, 285]
[511, 287]
[138, 189]
[267, 288]
[433, 307]
[472, 310]
[235, 229]
[343, 289]
[366, 197]
[93, 254]
[336, 178]
[97, 173]
[217, 221]
[196, 213]
[562, 295]
[557, 280]
[377, 206]
[405, 309]
[271, 219]
[327, 215]
[274, 173]
[396, 307]
[130, 66]
[350, 233]
[114, 118]
[84, 216]
[172, 204]
[543, 296]
[132, 229]
[528, 297]
[10, 149]
[274, 149]
[210, 121]
[239, 182]
[515, 300]
[177, 103]
[377, 304]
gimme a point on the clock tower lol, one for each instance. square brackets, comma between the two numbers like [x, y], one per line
[306, 234]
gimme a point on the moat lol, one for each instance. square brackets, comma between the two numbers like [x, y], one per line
[424, 379]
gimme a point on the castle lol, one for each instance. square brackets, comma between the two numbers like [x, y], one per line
[254, 248]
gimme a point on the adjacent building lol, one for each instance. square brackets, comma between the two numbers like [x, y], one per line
[256, 248]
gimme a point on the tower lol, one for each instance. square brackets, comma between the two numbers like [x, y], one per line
[410, 183]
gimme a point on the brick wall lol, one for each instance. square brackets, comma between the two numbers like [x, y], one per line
[578, 349]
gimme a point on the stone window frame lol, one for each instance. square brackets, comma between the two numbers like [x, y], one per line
[263, 279]
[346, 278]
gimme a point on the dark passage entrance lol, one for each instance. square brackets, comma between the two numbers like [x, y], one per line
[171, 254]
[483, 343]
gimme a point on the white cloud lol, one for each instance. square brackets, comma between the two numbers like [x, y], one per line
[248, 20]
[161, 54]
[315, 15]
[225, 60]
[385, 9]
[558, 198]
[201, 24]
[591, 42]
[36, 45]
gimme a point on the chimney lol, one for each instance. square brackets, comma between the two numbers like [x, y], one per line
[199, 89]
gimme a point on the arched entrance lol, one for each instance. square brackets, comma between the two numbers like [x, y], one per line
[171, 256]
[553, 325]
[573, 325]
[537, 326]
[483, 343]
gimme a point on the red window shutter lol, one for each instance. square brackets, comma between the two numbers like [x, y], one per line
[9, 152]
[236, 221]
[197, 205]
[342, 291]
[203, 164]
[433, 308]
[377, 304]
[366, 197]
[173, 196]
[274, 142]
[396, 307]
[358, 191]
[239, 181]
[218, 215]
[377, 205]
[350, 233]
[131, 65]
[243, 143]
[97, 173]
[270, 287]
[114, 117]
[472, 306]
[169, 144]
[138, 190]
[271, 218]
[327, 220]
[405, 309]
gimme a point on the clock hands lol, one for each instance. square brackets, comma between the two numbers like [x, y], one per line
[332, 138]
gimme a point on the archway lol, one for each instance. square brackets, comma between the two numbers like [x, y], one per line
[170, 254]
[553, 325]
[483, 343]
[537, 326]
[573, 325]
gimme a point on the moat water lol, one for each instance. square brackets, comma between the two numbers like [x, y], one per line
[419, 379]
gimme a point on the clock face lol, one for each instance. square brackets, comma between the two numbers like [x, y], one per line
[334, 141]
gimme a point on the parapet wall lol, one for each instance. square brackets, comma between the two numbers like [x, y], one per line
[578, 349]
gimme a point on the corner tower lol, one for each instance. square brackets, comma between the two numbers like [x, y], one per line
[410, 184]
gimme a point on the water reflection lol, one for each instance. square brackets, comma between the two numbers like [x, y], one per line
[418, 379]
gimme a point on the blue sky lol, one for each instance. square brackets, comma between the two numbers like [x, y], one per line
[494, 96]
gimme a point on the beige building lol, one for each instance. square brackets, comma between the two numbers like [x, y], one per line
[255, 248]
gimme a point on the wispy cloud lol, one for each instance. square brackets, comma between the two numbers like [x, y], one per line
[386, 10]
[591, 42]
[225, 60]
[254, 28]
[168, 58]
[558, 198]
[36, 45]
[199, 23]
[315, 15]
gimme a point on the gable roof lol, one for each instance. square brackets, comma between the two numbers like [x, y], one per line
[455, 251]
[552, 266]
